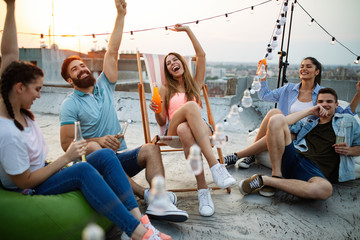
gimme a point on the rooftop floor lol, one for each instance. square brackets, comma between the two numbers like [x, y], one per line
[283, 216]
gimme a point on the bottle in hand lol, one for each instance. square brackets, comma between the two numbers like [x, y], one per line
[156, 98]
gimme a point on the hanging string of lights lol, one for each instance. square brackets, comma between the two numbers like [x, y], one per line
[333, 39]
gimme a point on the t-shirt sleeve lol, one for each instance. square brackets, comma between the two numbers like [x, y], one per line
[14, 156]
[68, 113]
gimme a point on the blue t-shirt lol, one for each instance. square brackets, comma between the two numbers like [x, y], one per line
[96, 112]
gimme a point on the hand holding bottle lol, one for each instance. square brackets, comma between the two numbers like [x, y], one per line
[155, 104]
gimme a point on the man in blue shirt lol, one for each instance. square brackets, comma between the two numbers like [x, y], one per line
[92, 103]
[307, 166]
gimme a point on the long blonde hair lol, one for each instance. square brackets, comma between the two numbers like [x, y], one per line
[192, 90]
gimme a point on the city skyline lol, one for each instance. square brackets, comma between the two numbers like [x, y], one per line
[242, 39]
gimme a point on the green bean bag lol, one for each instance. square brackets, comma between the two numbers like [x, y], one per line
[62, 216]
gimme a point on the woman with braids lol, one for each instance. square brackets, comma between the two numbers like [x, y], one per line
[23, 150]
[180, 107]
[291, 98]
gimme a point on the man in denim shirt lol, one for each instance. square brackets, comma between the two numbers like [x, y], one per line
[307, 166]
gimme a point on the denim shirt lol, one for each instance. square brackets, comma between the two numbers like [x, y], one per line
[286, 96]
[352, 138]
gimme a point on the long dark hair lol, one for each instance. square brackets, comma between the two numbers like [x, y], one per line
[16, 72]
[318, 66]
[192, 90]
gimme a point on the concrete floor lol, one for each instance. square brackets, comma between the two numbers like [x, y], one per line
[240, 217]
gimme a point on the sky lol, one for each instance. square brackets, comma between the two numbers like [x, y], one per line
[243, 38]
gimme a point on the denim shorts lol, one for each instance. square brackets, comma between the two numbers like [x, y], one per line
[295, 167]
[211, 128]
[129, 161]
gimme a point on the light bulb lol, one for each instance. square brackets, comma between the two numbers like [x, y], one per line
[274, 43]
[311, 21]
[261, 72]
[167, 32]
[194, 160]
[42, 40]
[256, 86]
[158, 195]
[227, 18]
[278, 2]
[333, 40]
[233, 117]
[94, 38]
[285, 7]
[269, 54]
[252, 91]
[93, 232]
[252, 10]
[219, 137]
[282, 19]
[240, 109]
[246, 101]
[278, 29]
[356, 61]
[132, 35]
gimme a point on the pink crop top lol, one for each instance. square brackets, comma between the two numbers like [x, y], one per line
[176, 101]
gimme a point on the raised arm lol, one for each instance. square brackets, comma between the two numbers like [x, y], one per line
[200, 53]
[9, 44]
[356, 99]
[110, 66]
[316, 110]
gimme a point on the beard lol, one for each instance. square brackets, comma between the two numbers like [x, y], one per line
[85, 82]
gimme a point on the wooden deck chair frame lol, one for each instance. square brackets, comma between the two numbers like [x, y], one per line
[157, 138]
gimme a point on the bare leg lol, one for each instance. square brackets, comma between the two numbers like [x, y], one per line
[315, 188]
[190, 113]
[149, 157]
[187, 139]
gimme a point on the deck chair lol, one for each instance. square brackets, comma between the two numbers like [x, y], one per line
[155, 68]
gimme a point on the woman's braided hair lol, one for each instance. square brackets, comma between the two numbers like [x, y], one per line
[18, 71]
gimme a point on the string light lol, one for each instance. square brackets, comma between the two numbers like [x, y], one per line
[285, 6]
[278, 30]
[278, 2]
[357, 60]
[333, 40]
[94, 38]
[42, 40]
[252, 10]
[282, 19]
[311, 21]
[227, 17]
[274, 42]
[269, 54]
[132, 35]
[167, 32]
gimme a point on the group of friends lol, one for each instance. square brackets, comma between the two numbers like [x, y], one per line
[299, 135]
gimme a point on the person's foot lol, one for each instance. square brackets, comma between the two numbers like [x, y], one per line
[162, 208]
[230, 159]
[245, 162]
[206, 205]
[221, 176]
[251, 184]
[147, 224]
[150, 235]
[171, 195]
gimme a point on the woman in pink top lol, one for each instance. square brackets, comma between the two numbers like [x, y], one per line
[181, 95]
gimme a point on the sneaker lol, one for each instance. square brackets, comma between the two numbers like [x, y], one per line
[221, 176]
[206, 205]
[230, 159]
[251, 184]
[267, 191]
[147, 224]
[162, 208]
[171, 195]
[150, 235]
[245, 162]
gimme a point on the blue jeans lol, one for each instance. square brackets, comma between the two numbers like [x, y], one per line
[104, 184]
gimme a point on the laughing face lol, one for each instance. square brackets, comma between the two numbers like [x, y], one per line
[80, 74]
[327, 101]
[174, 66]
[308, 70]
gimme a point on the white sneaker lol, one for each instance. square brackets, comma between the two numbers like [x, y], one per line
[163, 209]
[206, 205]
[172, 196]
[221, 176]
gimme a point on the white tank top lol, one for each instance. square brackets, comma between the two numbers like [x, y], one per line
[299, 106]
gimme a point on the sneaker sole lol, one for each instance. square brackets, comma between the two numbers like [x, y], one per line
[240, 188]
[266, 194]
[169, 216]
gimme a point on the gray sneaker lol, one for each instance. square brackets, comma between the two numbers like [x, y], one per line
[245, 162]
[171, 195]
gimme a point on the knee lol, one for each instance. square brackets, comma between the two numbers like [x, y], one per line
[321, 191]
[273, 112]
[148, 150]
[191, 107]
[276, 122]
